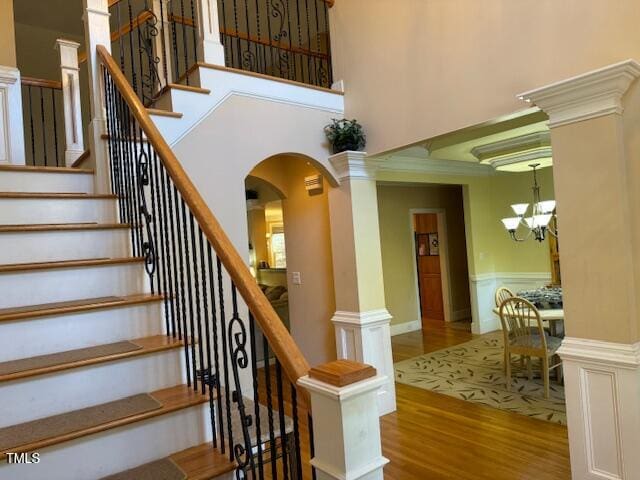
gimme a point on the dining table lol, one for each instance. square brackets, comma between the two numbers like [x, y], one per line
[551, 317]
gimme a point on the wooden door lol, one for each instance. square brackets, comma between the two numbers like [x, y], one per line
[428, 264]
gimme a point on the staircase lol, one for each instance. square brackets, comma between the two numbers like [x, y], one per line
[78, 329]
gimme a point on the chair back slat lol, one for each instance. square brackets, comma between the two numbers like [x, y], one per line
[502, 294]
[523, 322]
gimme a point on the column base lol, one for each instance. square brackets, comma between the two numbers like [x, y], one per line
[366, 338]
[602, 385]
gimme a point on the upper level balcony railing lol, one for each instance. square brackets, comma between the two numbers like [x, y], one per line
[281, 38]
[158, 42]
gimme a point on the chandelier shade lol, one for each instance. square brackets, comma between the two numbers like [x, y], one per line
[537, 224]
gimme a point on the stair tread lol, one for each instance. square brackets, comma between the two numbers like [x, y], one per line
[43, 169]
[203, 462]
[187, 88]
[75, 306]
[163, 113]
[90, 262]
[63, 195]
[56, 362]
[46, 227]
[170, 399]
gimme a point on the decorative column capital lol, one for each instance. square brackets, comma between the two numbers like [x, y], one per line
[352, 165]
[590, 95]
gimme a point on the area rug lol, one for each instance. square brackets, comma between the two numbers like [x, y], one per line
[473, 371]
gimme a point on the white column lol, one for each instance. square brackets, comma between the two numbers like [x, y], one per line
[11, 124]
[70, 76]
[594, 123]
[346, 425]
[361, 320]
[208, 28]
[97, 32]
[160, 9]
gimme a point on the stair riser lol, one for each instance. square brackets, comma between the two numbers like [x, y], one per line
[51, 246]
[46, 395]
[23, 211]
[118, 449]
[46, 182]
[78, 330]
[66, 284]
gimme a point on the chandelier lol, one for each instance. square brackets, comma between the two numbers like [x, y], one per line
[537, 225]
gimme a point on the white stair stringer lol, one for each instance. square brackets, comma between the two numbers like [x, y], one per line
[70, 331]
[24, 211]
[33, 287]
[59, 392]
[59, 245]
[118, 449]
[45, 182]
[223, 84]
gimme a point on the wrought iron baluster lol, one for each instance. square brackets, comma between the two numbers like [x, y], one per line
[296, 461]
[237, 333]
[167, 226]
[312, 446]
[55, 126]
[216, 356]
[196, 288]
[184, 40]
[225, 361]
[272, 438]
[207, 373]
[187, 280]
[256, 395]
[281, 417]
[44, 130]
[183, 306]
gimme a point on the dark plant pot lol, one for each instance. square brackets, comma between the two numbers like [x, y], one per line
[344, 147]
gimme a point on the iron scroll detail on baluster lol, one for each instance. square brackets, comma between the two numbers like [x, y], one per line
[150, 78]
[240, 360]
[148, 244]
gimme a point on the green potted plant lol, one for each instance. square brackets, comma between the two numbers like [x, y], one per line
[345, 135]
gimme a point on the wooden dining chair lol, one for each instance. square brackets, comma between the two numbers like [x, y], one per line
[502, 294]
[525, 335]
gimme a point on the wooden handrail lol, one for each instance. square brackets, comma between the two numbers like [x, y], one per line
[286, 350]
[41, 82]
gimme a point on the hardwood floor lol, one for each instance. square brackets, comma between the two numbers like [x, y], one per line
[433, 436]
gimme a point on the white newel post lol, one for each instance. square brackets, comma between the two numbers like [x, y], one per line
[97, 32]
[212, 50]
[346, 423]
[70, 76]
[361, 320]
[11, 126]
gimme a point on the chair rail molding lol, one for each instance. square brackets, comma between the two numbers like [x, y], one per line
[366, 337]
[590, 95]
[11, 130]
[602, 384]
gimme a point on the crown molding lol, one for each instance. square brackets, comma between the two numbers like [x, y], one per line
[352, 165]
[433, 166]
[520, 157]
[9, 75]
[590, 95]
[513, 145]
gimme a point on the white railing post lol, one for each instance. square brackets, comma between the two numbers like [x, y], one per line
[163, 40]
[97, 32]
[11, 125]
[70, 76]
[346, 423]
[212, 50]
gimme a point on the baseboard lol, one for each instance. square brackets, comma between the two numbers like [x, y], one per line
[406, 327]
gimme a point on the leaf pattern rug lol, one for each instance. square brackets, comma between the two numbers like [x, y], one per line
[473, 371]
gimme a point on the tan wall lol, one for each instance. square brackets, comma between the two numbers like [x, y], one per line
[398, 254]
[7, 34]
[308, 245]
[417, 68]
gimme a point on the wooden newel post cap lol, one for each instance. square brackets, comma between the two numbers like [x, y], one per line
[341, 373]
